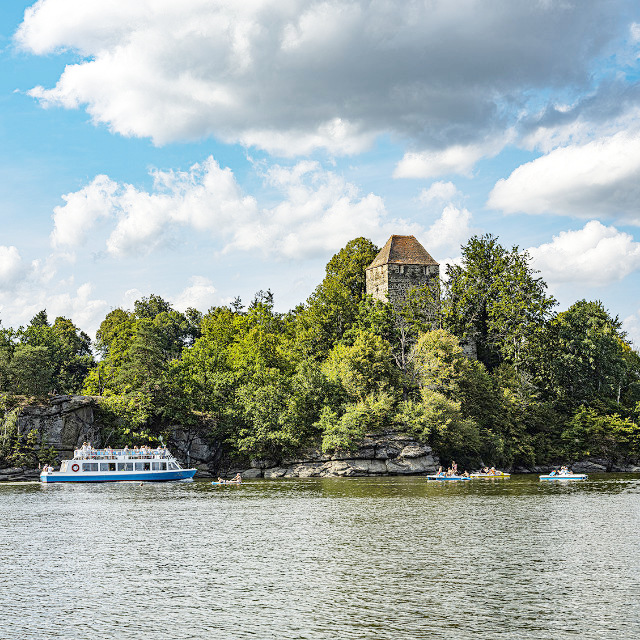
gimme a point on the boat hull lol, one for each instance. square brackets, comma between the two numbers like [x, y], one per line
[116, 476]
[572, 476]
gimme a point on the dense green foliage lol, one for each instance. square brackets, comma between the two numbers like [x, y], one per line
[545, 387]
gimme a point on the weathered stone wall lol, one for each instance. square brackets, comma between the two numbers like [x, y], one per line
[395, 280]
[377, 283]
[402, 278]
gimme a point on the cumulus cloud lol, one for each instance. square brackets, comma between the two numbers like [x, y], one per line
[67, 299]
[439, 192]
[12, 269]
[206, 197]
[318, 211]
[593, 255]
[293, 76]
[459, 159]
[81, 211]
[598, 178]
[450, 230]
[200, 294]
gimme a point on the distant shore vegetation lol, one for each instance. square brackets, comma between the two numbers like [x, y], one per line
[543, 386]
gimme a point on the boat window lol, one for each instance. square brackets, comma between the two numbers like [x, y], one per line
[173, 465]
[104, 466]
[147, 466]
[139, 466]
[112, 466]
[125, 466]
[163, 466]
[89, 466]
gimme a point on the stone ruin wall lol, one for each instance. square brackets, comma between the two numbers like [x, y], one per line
[396, 280]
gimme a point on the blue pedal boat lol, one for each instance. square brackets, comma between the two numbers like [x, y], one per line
[564, 476]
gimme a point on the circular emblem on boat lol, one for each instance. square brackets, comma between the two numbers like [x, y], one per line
[75, 467]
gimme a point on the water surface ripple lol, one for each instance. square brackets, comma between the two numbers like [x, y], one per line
[371, 558]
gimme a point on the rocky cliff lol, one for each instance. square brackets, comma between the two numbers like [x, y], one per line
[390, 453]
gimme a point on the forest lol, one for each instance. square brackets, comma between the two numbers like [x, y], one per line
[544, 386]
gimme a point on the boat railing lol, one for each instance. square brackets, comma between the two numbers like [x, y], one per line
[113, 454]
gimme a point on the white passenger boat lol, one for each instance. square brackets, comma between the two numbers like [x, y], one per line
[564, 476]
[118, 465]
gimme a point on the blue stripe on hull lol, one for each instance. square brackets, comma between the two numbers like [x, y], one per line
[115, 476]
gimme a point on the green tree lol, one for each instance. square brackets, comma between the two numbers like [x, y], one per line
[333, 307]
[363, 368]
[31, 371]
[611, 437]
[580, 355]
[494, 300]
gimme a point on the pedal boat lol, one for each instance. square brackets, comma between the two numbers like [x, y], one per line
[442, 476]
[564, 476]
[498, 474]
[119, 465]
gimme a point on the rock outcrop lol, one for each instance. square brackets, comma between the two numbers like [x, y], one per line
[390, 453]
[64, 423]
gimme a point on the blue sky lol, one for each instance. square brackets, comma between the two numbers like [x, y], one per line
[204, 150]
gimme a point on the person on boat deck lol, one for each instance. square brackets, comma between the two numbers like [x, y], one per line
[238, 478]
[553, 473]
[439, 471]
[454, 467]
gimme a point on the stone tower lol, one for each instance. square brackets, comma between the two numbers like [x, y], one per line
[403, 263]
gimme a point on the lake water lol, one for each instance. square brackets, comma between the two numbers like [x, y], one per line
[378, 558]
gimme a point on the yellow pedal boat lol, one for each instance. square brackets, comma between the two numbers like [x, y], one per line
[497, 474]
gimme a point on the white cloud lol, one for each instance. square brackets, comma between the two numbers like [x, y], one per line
[82, 209]
[455, 159]
[318, 212]
[200, 294]
[631, 325]
[35, 293]
[449, 231]
[439, 192]
[598, 178]
[206, 198]
[12, 269]
[594, 255]
[297, 75]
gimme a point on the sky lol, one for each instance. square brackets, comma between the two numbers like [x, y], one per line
[202, 150]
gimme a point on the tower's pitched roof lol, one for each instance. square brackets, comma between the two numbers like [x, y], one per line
[402, 250]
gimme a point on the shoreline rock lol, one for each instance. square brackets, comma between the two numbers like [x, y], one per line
[388, 454]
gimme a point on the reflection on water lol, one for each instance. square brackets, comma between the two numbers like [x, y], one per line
[322, 558]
